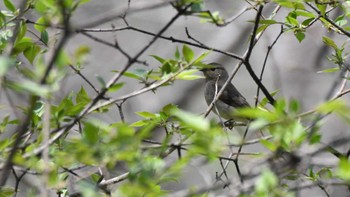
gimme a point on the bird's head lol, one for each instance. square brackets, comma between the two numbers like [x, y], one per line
[215, 71]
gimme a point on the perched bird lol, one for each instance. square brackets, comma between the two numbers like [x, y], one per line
[229, 100]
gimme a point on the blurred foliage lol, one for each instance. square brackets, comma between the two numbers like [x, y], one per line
[87, 141]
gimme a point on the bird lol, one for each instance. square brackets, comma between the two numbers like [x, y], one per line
[230, 99]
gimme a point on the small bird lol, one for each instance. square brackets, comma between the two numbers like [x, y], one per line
[229, 100]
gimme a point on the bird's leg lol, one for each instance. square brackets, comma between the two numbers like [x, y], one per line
[229, 123]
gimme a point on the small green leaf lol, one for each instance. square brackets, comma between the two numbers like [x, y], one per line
[44, 37]
[22, 30]
[307, 22]
[300, 36]
[343, 170]
[9, 5]
[261, 28]
[197, 7]
[292, 4]
[90, 133]
[322, 8]
[304, 13]
[291, 20]
[264, 101]
[269, 145]
[39, 108]
[266, 182]
[341, 21]
[139, 123]
[146, 114]
[191, 120]
[188, 53]
[177, 53]
[294, 105]
[7, 191]
[268, 22]
[31, 87]
[131, 75]
[41, 24]
[329, 42]
[330, 70]
[201, 57]
[315, 139]
[31, 52]
[82, 96]
[63, 59]
[115, 87]
[331, 106]
[188, 75]
[159, 59]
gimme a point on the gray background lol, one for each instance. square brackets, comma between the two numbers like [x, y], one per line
[292, 68]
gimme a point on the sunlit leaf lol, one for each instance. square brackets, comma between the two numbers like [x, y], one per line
[188, 53]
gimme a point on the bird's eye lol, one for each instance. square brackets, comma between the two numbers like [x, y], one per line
[212, 69]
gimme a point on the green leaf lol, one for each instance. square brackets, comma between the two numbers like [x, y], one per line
[291, 20]
[82, 96]
[188, 53]
[7, 191]
[266, 182]
[322, 8]
[264, 101]
[304, 13]
[294, 106]
[115, 87]
[188, 75]
[177, 53]
[300, 36]
[31, 52]
[329, 70]
[315, 139]
[331, 106]
[329, 42]
[267, 22]
[197, 7]
[82, 51]
[343, 170]
[41, 24]
[159, 59]
[44, 37]
[22, 30]
[138, 74]
[291, 4]
[261, 28]
[257, 113]
[139, 123]
[31, 87]
[201, 57]
[341, 21]
[307, 22]
[90, 133]
[146, 114]
[39, 108]
[9, 5]
[191, 120]
[269, 145]
[63, 59]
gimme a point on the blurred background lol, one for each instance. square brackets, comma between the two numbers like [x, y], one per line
[292, 68]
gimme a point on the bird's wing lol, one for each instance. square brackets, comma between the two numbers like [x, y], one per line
[232, 97]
